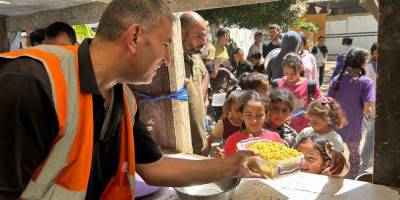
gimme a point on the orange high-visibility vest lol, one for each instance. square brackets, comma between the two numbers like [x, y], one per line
[64, 174]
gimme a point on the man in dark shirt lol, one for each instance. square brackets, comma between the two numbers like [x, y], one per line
[220, 78]
[274, 42]
[242, 64]
[118, 54]
[255, 60]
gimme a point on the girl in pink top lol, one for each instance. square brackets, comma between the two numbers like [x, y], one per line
[252, 108]
[292, 66]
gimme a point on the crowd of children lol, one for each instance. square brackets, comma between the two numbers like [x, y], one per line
[292, 109]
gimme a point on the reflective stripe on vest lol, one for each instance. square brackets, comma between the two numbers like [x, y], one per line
[65, 172]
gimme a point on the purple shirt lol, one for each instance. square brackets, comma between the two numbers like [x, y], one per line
[352, 96]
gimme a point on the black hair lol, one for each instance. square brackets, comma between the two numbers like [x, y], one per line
[374, 47]
[355, 58]
[282, 95]
[256, 55]
[250, 81]
[321, 37]
[54, 29]
[221, 32]
[347, 41]
[293, 60]
[37, 36]
[251, 95]
[319, 144]
[233, 94]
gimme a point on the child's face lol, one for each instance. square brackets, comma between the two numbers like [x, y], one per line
[312, 161]
[319, 124]
[278, 114]
[375, 55]
[262, 88]
[234, 113]
[292, 76]
[253, 116]
[238, 57]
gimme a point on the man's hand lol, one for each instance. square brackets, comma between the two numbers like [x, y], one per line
[239, 161]
[338, 160]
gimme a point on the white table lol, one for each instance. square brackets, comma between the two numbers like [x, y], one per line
[300, 186]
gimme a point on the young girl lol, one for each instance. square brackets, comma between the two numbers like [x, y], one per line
[316, 158]
[254, 81]
[323, 115]
[355, 92]
[279, 112]
[230, 124]
[252, 108]
[299, 86]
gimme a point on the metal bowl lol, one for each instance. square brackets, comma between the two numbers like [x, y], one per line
[221, 190]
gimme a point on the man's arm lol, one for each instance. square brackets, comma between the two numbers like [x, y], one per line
[175, 172]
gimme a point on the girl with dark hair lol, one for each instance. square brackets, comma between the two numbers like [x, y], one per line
[281, 107]
[252, 108]
[324, 115]
[316, 159]
[254, 81]
[299, 86]
[355, 92]
[230, 121]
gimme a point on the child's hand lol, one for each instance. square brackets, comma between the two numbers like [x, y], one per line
[219, 153]
[338, 160]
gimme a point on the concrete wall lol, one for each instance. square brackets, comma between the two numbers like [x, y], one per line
[362, 28]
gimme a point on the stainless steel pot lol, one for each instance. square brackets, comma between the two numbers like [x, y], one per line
[221, 190]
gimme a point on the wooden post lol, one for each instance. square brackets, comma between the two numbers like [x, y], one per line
[387, 136]
[4, 44]
[168, 120]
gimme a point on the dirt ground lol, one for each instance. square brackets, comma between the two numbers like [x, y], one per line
[329, 68]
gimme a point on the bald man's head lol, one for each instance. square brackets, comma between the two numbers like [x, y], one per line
[189, 18]
[194, 32]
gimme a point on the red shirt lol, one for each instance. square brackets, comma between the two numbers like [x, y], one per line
[230, 145]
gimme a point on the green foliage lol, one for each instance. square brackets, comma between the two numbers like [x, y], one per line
[309, 26]
[283, 12]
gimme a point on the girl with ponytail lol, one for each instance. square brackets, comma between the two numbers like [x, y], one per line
[354, 91]
[325, 115]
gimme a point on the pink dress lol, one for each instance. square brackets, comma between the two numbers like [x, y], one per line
[230, 144]
[300, 91]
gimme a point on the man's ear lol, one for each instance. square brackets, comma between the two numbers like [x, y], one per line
[134, 34]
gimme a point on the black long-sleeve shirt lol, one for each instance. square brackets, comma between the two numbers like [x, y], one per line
[28, 125]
